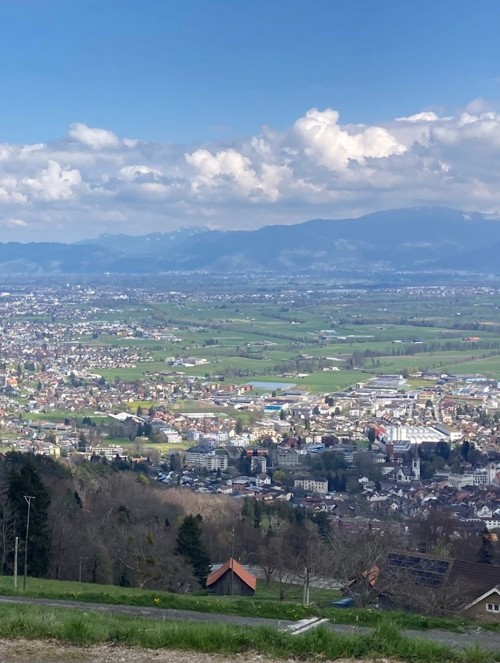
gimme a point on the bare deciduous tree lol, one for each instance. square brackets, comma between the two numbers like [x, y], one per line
[7, 529]
[354, 559]
[406, 590]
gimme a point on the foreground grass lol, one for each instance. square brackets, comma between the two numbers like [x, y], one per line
[264, 604]
[33, 622]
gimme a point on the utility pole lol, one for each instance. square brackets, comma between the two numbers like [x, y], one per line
[16, 547]
[28, 499]
[232, 564]
[80, 569]
[305, 597]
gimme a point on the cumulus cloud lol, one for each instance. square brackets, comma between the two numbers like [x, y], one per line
[234, 174]
[92, 180]
[139, 173]
[54, 182]
[328, 144]
[97, 139]
[10, 192]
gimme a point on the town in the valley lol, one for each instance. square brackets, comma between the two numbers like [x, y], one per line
[82, 378]
[321, 432]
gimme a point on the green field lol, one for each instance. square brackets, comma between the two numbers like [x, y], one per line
[284, 327]
[386, 331]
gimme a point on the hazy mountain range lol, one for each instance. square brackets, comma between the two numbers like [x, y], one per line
[413, 239]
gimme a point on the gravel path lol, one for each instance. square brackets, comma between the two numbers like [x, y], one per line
[34, 651]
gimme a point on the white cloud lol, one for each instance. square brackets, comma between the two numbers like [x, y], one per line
[328, 144]
[16, 223]
[94, 181]
[227, 169]
[426, 116]
[54, 182]
[5, 152]
[135, 173]
[10, 190]
[97, 139]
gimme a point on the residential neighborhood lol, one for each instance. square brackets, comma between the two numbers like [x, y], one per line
[388, 443]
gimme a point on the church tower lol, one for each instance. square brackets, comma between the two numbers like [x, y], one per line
[492, 472]
[415, 465]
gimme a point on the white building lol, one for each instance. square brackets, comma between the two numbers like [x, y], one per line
[216, 462]
[312, 485]
[413, 434]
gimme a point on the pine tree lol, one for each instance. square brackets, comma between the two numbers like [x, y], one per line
[485, 555]
[190, 545]
[252, 511]
[27, 482]
[82, 441]
[465, 449]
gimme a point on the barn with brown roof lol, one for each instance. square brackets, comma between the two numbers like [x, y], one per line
[232, 579]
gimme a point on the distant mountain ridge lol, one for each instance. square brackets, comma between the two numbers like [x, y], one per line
[412, 239]
[130, 244]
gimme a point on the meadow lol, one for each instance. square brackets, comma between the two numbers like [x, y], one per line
[292, 335]
[265, 603]
[71, 626]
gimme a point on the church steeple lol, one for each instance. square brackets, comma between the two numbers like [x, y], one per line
[415, 464]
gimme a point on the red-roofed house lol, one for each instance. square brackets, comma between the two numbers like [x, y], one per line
[232, 579]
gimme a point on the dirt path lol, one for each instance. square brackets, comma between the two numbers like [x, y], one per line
[38, 651]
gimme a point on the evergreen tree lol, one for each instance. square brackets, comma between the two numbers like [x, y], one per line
[323, 523]
[190, 545]
[371, 435]
[244, 463]
[175, 464]
[443, 449]
[252, 511]
[465, 449]
[82, 441]
[26, 481]
[485, 555]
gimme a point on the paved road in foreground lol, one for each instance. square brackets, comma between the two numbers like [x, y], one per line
[486, 640]
[151, 613]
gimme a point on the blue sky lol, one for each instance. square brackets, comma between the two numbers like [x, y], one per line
[205, 77]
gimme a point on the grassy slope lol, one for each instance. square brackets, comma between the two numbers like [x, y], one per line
[36, 622]
[264, 604]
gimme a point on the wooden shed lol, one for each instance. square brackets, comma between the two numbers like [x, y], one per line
[232, 579]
